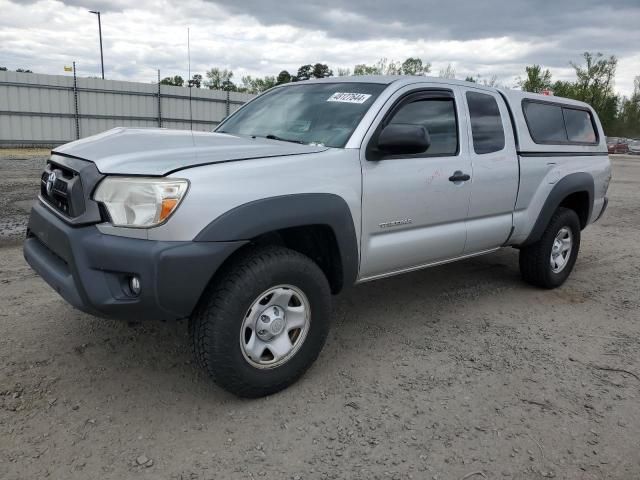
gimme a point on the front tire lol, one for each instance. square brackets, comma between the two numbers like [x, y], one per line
[549, 262]
[262, 322]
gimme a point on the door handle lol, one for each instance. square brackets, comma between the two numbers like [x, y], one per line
[458, 176]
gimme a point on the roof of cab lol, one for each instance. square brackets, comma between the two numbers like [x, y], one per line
[399, 80]
[513, 96]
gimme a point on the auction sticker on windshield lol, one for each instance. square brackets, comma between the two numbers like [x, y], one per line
[349, 97]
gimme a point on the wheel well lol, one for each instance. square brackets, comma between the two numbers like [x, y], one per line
[579, 202]
[317, 242]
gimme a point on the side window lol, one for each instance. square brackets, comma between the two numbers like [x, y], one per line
[579, 126]
[486, 123]
[550, 123]
[438, 115]
[545, 121]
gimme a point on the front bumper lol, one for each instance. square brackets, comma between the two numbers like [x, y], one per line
[91, 270]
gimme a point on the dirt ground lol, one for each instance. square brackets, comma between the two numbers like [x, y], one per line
[457, 372]
[20, 171]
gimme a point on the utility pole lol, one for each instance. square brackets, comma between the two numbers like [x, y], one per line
[190, 83]
[75, 101]
[159, 102]
[95, 12]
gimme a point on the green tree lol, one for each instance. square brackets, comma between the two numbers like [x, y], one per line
[414, 66]
[196, 81]
[363, 69]
[219, 79]
[304, 72]
[565, 89]
[176, 81]
[229, 86]
[3, 69]
[382, 67]
[411, 66]
[267, 82]
[321, 70]
[257, 85]
[22, 70]
[283, 77]
[628, 120]
[469, 78]
[594, 85]
[536, 80]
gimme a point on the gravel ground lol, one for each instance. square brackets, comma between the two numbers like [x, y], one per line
[457, 372]
[20, 170]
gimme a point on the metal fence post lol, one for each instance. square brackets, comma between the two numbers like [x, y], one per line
[159, 103]
[75, 101]
[228, 103]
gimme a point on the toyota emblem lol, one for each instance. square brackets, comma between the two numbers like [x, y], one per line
[51, 180]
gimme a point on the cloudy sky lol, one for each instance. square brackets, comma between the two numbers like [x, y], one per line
[263, 37]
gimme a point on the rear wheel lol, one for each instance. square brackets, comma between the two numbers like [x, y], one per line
[262, 324]
[549, 262]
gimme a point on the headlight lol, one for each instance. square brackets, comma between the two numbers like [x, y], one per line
[140, 202]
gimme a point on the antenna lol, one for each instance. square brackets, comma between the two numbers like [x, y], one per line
[189, 81]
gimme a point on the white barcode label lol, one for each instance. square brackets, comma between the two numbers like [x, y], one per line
[349, 97]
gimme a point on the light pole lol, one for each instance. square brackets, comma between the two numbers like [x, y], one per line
[100, 32]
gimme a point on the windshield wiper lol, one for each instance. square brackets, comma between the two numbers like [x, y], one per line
[275, 137]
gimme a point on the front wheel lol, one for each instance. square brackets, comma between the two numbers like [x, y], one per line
[263, 322]
[548, 262]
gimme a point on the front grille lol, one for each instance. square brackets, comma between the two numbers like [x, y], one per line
[66, 186]
[61, 188]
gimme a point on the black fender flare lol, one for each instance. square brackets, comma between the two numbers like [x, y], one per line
[572, 183]
[265, 215]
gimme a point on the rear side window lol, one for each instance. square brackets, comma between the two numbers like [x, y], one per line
[486, 123]
[545, 121]
[438, 115]
[579, 126]
[555, 124]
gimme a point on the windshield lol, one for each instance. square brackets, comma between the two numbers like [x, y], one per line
[320, 113]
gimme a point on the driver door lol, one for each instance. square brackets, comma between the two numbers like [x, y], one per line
[414, 206]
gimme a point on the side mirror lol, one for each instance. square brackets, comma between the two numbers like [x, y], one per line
[403, 138]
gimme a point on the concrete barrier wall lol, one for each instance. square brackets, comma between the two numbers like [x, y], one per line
[37, 109]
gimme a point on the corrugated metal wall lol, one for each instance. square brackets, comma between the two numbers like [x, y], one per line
[38, 109]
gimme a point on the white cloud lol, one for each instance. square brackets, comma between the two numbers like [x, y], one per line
[146, 35]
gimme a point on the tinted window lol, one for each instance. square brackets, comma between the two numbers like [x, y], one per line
[439, 118]
[486, 123]
[579, 126]
[545, 121]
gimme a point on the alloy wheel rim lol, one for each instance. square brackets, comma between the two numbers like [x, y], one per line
[561, 250]
[275, 326]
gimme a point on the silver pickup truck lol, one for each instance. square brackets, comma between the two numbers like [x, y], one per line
[308, 189]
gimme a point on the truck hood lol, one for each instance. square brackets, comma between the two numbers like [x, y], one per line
[159, 151]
